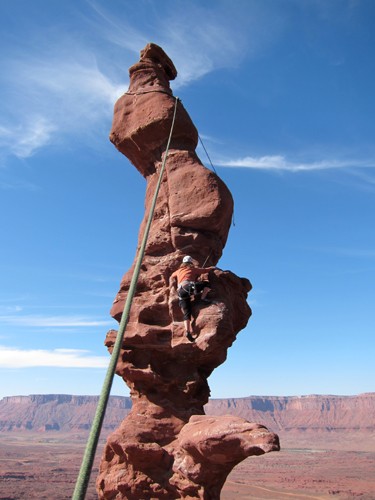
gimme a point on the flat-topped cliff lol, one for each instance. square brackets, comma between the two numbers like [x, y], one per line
[67, 413]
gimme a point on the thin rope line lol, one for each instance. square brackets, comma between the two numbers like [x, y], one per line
[213, 168]
[205, 150]
[89, 455]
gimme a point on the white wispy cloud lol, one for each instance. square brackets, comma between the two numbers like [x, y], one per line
[8, 309]
[60, 90]
[25, 138]
[363, 178]
[196, 48]
[52, 321]
[12, 357]
[64, 85]
[280, 163]
[357, 253]
[58, 97]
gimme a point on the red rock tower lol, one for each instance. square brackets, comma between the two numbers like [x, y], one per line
[167, 448]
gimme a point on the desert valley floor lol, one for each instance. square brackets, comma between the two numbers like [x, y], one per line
[321, 466]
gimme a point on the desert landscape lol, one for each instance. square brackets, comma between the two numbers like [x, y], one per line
[137, 139]
[34, 465]
[42, 440]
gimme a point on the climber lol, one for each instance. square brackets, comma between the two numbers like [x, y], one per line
[187, 286]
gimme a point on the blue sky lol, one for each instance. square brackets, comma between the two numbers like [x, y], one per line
[282, 93]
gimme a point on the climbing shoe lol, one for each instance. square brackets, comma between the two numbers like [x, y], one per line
[207, 301]
[189, 336]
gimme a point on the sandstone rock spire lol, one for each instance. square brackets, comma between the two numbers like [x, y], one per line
[167, 447]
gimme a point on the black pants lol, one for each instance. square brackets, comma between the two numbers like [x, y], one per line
[186, 292]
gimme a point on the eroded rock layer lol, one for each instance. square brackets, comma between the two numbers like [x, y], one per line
[167, 447]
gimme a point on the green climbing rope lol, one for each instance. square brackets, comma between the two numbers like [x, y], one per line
[89, 455]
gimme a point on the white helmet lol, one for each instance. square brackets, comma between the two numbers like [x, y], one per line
[186, 259]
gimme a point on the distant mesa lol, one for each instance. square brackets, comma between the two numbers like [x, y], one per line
[286, 414]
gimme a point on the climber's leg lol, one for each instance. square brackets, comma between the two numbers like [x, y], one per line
[187, 324]
[185, 304]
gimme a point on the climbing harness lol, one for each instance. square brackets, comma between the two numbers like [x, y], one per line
[89, 455]
[187, 286]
